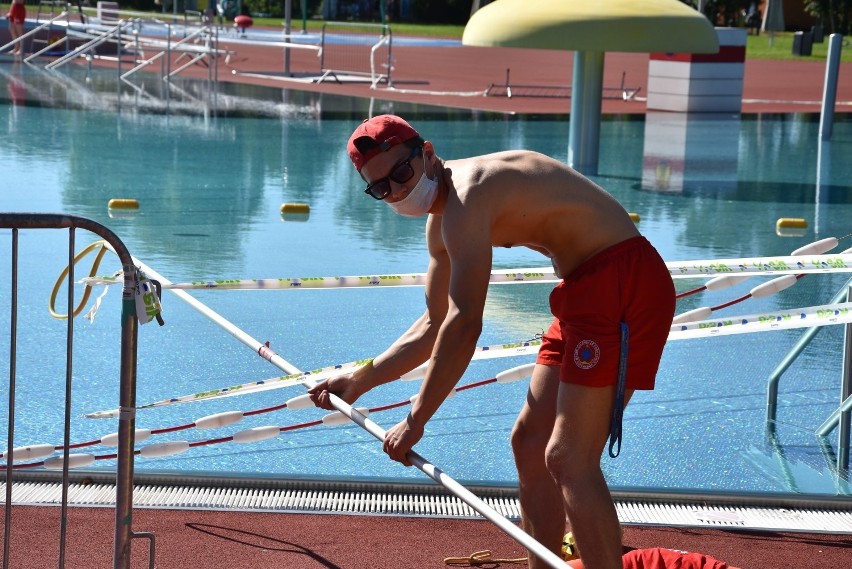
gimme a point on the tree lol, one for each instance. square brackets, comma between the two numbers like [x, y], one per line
[834, 14]
[723, 12]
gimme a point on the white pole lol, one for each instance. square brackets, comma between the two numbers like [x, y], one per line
[288, 12]
[829, 93]
[421, 463]
[585, 121]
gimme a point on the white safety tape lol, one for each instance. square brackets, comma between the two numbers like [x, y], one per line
[809, 317]
[841, 263]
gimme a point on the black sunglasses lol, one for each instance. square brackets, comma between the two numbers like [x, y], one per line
[401, 173]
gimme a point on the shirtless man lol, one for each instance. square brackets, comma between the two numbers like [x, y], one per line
[614, 282]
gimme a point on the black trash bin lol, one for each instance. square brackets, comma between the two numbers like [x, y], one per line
[803, 43]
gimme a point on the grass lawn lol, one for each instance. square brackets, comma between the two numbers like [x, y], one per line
[757, 47]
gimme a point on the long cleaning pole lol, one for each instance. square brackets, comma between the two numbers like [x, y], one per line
[420, 462]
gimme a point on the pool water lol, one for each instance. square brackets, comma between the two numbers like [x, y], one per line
[211, 189]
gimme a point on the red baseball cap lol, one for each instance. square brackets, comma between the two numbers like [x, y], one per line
[383, 133]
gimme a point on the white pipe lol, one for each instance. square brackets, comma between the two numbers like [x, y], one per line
[421, 463]
[829, 94]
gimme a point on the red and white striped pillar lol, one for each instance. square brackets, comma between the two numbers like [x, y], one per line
[700, 82]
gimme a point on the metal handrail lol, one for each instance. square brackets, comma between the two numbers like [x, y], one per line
[834, 418]
[207, 51]
[775, 377]
[376, 78]
[169, 47]
[100, 38]
[841, 416]
[127, 390]
[384, 39]
[46, 49]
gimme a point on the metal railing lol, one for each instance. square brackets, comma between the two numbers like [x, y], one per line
[840, 417]
[100, 37]
[509, 90]
[127, 377]
[184, 47]
[131, 34]
[356, 51]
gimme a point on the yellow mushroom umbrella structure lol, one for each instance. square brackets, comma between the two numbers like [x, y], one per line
[591, 28]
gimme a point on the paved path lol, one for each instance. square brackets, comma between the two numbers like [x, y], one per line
[459, 77]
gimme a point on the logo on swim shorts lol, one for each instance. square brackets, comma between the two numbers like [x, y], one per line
[586, 354]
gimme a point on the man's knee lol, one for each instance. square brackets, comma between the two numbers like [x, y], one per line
[527, 442]
[568, 463]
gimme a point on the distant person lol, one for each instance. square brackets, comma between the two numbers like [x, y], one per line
[16, 16]
[753, 20]
[613, 311]
[659, 558]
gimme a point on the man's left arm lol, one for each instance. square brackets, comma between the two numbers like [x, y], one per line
[468, 240]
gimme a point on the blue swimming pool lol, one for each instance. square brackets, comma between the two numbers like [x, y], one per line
[210, 191]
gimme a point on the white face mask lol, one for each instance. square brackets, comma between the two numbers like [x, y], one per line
[419, 199]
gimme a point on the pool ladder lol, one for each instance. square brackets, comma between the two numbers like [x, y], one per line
[47, 10]
[199, 42]
[840, 418]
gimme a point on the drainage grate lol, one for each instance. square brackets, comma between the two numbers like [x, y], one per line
[258, 499]
[417, 501]
[736, 517]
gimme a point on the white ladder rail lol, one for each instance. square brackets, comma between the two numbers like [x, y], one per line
[189, 63]
[88, 46]
[45, 49]
[169, 47]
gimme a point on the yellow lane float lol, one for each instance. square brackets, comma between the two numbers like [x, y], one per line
[790, 227]
[295, 211]
[122, 203]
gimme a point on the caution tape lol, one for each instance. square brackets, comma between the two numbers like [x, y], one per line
[809, 317]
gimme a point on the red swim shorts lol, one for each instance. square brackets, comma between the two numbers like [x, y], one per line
[629, 283]
[17, 13]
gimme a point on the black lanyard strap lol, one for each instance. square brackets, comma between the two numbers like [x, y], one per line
[620, 385]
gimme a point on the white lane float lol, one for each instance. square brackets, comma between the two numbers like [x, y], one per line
[31, 452]
[74, 461]
[139, 435]
[159, 450]
[257, 434]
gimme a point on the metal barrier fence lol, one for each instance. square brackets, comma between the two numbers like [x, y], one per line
[127, 393]
[356, 52]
